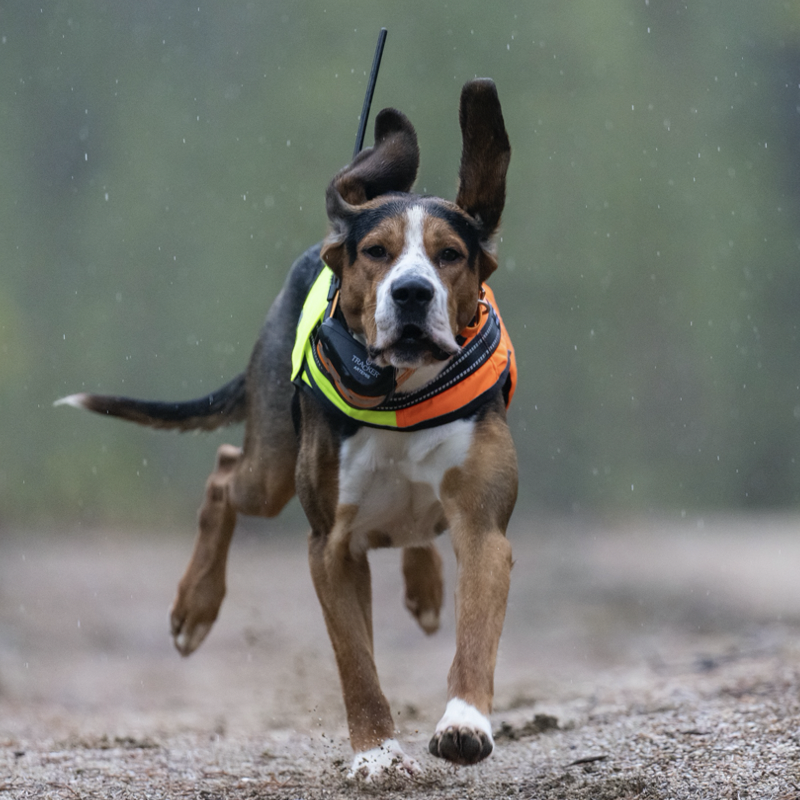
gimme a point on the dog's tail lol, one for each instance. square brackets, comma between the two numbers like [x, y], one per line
[226, 406]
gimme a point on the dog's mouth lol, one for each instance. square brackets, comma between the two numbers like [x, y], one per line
[412, 348]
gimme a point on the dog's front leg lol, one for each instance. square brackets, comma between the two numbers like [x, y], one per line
[343, 585]
[464, 734]
[478, 500]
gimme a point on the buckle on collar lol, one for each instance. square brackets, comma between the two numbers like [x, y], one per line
[474, 323]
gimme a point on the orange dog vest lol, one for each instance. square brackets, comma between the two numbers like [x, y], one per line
[485, 364]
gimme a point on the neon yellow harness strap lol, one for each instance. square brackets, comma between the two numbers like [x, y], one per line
[305, 369]
[312, 313]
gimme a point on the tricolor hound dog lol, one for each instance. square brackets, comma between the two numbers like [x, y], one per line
[377, 392]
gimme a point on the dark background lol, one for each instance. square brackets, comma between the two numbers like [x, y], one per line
[162, 164]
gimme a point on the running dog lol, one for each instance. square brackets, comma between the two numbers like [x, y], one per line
[377, 392]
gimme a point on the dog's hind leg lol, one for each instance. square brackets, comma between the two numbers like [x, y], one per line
[239, 483]
[422, 572]
[202, 587]
[257, 480]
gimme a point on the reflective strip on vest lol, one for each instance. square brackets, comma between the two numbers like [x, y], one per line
[499, 368]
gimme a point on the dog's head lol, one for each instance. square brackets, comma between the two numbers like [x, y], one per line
[410, 266]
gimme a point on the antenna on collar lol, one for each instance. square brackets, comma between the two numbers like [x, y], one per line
[342, 357]
[362, 123]
[373, 78]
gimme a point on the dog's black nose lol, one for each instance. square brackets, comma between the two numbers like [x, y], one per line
[412, 293]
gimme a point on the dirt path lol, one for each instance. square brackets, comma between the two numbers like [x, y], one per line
[645, 660]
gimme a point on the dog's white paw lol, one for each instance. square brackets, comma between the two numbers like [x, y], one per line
[463, 735]
[380, 763]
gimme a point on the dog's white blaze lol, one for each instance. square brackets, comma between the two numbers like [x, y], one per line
[394, 478]
[460, 714]
[371, 766]
[413, 261]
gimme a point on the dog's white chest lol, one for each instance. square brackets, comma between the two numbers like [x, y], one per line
[393, 479]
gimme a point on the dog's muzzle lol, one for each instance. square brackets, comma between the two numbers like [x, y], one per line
[414, 332]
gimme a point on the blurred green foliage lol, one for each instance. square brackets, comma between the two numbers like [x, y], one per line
[164, 162]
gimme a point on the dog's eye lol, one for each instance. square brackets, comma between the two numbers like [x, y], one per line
[449, 255]
[375, 251]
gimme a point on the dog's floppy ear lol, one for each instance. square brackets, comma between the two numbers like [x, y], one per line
[484, 157]
[389, 166]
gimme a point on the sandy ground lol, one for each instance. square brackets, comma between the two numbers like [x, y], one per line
[649, 659]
